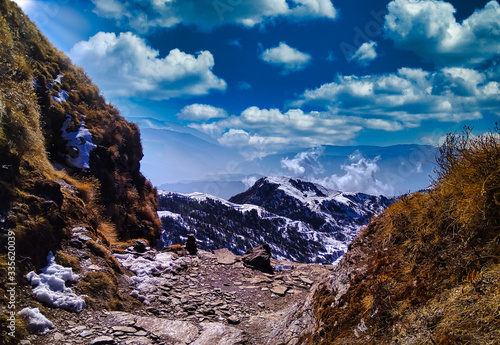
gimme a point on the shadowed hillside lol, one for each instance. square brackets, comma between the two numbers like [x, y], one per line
[67, 157]
[427, 270]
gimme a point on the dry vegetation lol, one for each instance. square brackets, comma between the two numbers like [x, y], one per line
[41, 205]
[429, 272]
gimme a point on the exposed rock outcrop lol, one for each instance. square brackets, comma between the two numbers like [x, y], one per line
[258, 257]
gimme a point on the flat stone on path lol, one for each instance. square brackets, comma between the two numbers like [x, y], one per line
[220, 334]
[103, 340]
[279, 290]
[124, 329]
[306, 280]
[225, 256]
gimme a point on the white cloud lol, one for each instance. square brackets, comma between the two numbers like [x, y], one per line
[429, 28]
[249, 181]
[208, 14]
[304, 163]
[258, 132]
[252, 146]
[345, 107]
[212, 129]
[290, 59]
[408, 97]
[359, 177]
[109, 8]
[366, 53]
[125, 65]
[201, 112]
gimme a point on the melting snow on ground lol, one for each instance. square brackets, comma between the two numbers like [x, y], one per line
[37, 322]
[62, 96]
[151, 272]
[80, 144]
[58, 79]
[50, 286]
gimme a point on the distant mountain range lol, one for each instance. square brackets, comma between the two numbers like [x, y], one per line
[300, 220]
[185, 160]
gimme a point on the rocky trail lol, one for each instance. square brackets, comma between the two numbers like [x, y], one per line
[209, 298]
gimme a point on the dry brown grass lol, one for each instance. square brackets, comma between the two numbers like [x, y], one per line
[432, 265]
[107, 232]
[103, 252]
[102, 290]
[65, 260]
[113, 199]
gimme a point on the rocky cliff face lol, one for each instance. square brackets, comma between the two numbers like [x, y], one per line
[301, 221]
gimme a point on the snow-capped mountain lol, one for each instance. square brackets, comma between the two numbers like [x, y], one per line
[301, 221]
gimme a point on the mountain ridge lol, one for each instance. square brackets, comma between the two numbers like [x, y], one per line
[300, 221]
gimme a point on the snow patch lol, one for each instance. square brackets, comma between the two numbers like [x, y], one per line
[169, 214]
[79, 144]
[58, 79]
[50, 286]
[151, 272]
[62, 96]
[37, 322]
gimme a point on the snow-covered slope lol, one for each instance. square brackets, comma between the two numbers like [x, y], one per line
[301, 221]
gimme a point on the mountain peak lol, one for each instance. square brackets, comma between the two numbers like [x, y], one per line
[268, 187]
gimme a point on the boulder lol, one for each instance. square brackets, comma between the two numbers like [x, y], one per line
[258, 257]
[140, 246]
[191, 246]
[225, 256]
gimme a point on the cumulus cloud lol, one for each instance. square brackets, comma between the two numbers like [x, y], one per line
[252, 146]
[109, 8]
[359, 177]
[304, 163]
[125, 65]
[350, 104]
[429, 28]
[208, 14]
[249, 181]
[286, 57]
[406, 98]
[201, 112]
[212, 129]
[258, 132]
[366, 53]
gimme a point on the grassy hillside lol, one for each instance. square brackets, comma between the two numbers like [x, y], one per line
[427, 271]
[37, 201]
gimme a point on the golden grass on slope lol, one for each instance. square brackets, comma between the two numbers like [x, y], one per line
[431, 270]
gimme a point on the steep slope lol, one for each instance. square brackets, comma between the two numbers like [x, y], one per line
[427, 270]
[82, 134]
[67, 158]
[301, 221]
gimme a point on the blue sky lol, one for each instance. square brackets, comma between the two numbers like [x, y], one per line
[266, 76]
